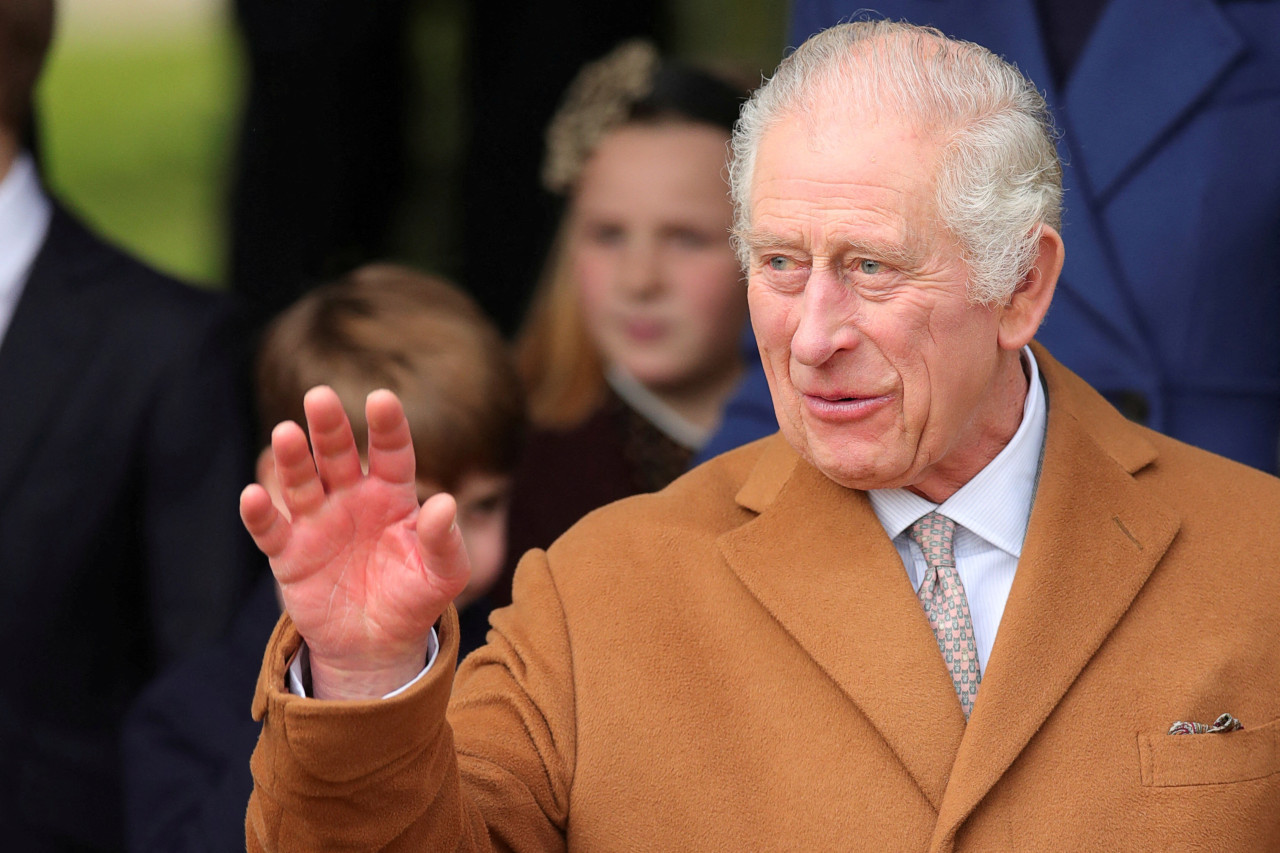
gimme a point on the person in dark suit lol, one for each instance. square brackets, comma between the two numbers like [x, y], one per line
[1168, 116]
[122, 446]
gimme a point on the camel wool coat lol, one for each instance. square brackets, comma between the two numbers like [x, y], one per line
[739, 662]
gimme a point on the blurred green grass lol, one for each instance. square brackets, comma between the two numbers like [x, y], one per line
[137, 134]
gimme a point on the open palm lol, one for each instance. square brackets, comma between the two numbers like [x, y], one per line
[364, 572]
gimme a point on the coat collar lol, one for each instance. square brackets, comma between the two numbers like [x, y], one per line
[818, 560]
[840, 591]
[1117, 118]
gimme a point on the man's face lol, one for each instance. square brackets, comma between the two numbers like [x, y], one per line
[882, 373]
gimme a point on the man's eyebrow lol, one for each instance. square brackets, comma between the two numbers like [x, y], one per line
[896, 254]
[891, 252]
[760, 238]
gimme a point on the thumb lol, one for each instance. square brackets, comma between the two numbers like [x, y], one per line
[441, 543]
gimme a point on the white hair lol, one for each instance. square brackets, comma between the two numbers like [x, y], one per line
[999, 179]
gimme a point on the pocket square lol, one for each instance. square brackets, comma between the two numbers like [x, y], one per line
[1224, 723]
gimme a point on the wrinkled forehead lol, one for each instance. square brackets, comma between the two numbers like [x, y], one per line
[841, 99]
[837, 154]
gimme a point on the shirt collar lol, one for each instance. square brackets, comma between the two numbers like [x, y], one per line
[996, 503]
[25, 212]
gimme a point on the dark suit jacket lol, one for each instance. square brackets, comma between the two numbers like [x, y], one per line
[122, 450]
[1168, 303]
[188, 739]
[739, 662]
[189, 736]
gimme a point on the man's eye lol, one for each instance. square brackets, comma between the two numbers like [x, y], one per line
[869, 267]
[780, 263]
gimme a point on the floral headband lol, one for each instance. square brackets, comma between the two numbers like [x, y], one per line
[629, 83]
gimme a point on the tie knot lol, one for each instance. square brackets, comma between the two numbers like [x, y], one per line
[933, 532]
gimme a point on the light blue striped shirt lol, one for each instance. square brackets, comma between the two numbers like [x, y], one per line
[991, 513]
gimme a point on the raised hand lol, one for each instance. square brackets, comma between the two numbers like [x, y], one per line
[364, 572]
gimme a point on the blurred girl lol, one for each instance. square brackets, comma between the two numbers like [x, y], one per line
[632, 343]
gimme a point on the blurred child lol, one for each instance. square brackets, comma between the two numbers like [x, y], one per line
[633, 341]
[188, 740]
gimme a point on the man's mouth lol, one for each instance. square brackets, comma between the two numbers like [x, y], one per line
[839, 406]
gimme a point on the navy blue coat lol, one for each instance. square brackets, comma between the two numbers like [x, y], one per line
[1170, 119]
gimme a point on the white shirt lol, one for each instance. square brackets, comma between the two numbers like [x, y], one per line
[991, 513]
[25, 212]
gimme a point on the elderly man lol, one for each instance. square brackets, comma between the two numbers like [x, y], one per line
[795, 646]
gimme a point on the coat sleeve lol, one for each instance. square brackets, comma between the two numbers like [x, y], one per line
[490, 770]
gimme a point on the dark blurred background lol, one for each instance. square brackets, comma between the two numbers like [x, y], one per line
[408, 129]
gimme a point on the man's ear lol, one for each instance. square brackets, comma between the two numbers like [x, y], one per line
[1026, 308]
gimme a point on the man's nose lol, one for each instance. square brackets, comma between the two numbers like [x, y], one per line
[828, 319]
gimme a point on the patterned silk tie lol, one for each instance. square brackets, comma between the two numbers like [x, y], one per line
[942, 595]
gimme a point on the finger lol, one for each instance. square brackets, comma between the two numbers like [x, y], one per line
[269, 529]
[390, 445]
[337, 458]
[300, 486]
[441, 542]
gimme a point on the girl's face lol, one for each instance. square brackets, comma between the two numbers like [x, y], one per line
[661, 289]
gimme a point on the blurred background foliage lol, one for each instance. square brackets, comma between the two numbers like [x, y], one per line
[137, 111]
[139, 102]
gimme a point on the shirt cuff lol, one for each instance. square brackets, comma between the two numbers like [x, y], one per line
[300, 668]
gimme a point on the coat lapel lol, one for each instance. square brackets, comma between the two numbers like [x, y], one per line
[1094, 538]
[1143, 70]
[44, 345]
[818, 560]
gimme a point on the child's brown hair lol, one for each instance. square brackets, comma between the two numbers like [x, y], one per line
[387, 326]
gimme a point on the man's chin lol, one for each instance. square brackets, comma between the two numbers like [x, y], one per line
[857, 468]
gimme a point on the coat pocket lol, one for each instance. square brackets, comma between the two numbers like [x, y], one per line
[1170, 761]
